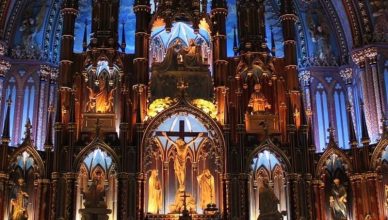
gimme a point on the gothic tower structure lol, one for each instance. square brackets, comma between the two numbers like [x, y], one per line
[176, 109]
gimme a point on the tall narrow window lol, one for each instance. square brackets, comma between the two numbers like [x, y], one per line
[11, 93]
[341, 118]
[28, 105]
[322, 117]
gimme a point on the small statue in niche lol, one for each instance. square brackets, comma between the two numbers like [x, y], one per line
[19, 202]
[258, 102]
[154, 193]
[206, 186]
[191, 55]
[102, 100]
[338, 200]
[94, 197]
[268, 203]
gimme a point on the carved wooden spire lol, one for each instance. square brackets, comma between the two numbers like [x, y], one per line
[6, 132]
[365, 140]
[352, 133]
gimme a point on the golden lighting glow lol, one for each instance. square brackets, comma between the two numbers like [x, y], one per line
[206, 106]
[158, 106]
[204, 25]
[159, 22]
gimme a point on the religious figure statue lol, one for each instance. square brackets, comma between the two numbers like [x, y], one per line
[386, 195]
[338, 201]
[180, 158]
[19, 202]
[268, 203]
[102, 100]
[258, 102]
[154, 193]
[206, 185]
[94, 197]
[192, 55]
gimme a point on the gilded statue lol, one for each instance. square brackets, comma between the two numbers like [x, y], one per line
[180, 158]
[102, 100]
[258, 102]
[268, 203]
[386, 195]
[19, 202]
[206, 186]
[338, 201]
[154, 193]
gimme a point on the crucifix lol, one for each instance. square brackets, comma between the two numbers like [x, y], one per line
[185, 212]
[181, 149]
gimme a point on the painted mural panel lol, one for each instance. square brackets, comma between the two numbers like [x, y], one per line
[29, 31]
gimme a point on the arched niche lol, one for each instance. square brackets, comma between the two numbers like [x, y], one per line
[25, 168]
[268, 164]
[96, 170]
[206, 152]
[379, 164]
[334, 169]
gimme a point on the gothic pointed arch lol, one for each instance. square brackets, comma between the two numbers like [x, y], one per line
[28, 147]
[377, 154]
[333, 149]
[96, 143]
[271, 147]
[169, 167]
[183, 106]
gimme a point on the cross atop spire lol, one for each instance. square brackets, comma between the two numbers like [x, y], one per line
[332, 142]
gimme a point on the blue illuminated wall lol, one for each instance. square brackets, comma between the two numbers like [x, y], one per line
[84, 15]
[341, 117]
[127, 16]
[322, 114]
[231, 22]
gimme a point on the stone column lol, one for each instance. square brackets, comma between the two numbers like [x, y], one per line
[3, 191]
[54, 214]
[294, 195]
[44, 198]
[372, 194]
[244, 195]
[322, 199]
[226, 193]
[70, 195]
[4, 67]
[358, 199]
[123, 195]
[140, 196]
[317, 206]
[42, 105]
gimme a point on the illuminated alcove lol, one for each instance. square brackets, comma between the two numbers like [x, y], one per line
[265, 166]
[205, 153]
[97, 168]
